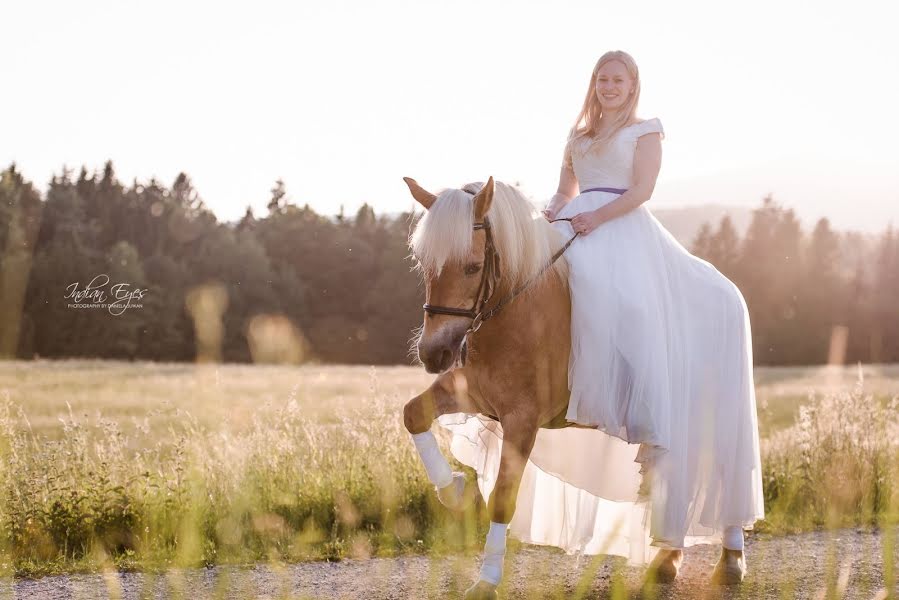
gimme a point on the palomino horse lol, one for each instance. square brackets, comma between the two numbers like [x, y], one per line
[513, 365]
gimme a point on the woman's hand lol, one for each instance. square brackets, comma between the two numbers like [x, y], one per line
[586, 222]
[556, 203]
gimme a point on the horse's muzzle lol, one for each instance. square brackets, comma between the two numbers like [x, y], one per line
[440, 355]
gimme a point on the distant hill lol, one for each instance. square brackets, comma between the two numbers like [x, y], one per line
[853, 196]
[684, 222]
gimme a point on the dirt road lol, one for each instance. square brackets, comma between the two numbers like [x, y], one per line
[810, 565]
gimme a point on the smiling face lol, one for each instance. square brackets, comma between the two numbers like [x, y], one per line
[613, 85]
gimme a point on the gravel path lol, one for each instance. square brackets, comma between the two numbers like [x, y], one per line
[809, 565]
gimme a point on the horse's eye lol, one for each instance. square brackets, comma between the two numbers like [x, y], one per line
[472, 268]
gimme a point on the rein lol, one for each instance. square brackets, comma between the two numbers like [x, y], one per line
[490, 313]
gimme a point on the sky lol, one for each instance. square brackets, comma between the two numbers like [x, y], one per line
[342, 99]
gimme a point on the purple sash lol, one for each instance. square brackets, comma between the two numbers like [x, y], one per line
[604, 189]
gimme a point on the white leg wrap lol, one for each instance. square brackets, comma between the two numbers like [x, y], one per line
[494, 553]
[733, 538]
[439, 471]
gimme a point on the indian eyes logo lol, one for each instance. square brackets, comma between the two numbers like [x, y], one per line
[98, 293]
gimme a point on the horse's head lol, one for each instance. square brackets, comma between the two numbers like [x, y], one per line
[454, 249]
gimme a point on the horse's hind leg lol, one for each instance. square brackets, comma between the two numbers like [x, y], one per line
[448, 394]
[519, 434]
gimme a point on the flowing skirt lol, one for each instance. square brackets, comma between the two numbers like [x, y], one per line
[661, 370]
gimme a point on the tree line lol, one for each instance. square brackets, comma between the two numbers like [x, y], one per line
[812, 297]
[344, 286]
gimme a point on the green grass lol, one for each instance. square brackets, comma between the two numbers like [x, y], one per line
[148, 466]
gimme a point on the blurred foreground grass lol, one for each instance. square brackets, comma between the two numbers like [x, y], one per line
[152, 466]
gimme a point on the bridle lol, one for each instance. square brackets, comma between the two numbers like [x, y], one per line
[487, 287]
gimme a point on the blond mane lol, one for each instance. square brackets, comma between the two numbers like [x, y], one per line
[524, 241]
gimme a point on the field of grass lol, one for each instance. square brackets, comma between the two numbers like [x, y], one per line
[140, 465]
[225, 397]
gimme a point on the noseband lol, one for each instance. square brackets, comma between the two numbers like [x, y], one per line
[489, 276]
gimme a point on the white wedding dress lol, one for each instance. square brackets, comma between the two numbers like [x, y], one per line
[661, 366]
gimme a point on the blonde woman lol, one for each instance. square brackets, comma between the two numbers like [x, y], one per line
[661, 347]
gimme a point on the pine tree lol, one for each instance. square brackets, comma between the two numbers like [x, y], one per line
[724, 247]
[248, 221]
[822, 308]
[767, 272]
[278, 199]
[20, 214]
[885, 309]
[703, 241]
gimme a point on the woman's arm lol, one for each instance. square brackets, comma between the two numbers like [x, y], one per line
[568, 189]
[647, 163]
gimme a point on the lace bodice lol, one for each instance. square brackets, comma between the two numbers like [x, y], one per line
[612, 166]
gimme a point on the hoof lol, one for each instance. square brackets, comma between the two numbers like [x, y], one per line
[731, 568]
[665, 566]
[481, 591]
[456, 495]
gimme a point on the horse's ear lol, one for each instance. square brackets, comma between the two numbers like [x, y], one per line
[424, 197]
[482, 201]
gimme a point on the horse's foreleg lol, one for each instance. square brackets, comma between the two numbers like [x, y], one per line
[519, 433]
[448, 394]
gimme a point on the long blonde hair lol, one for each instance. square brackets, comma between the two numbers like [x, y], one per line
[587, 123]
